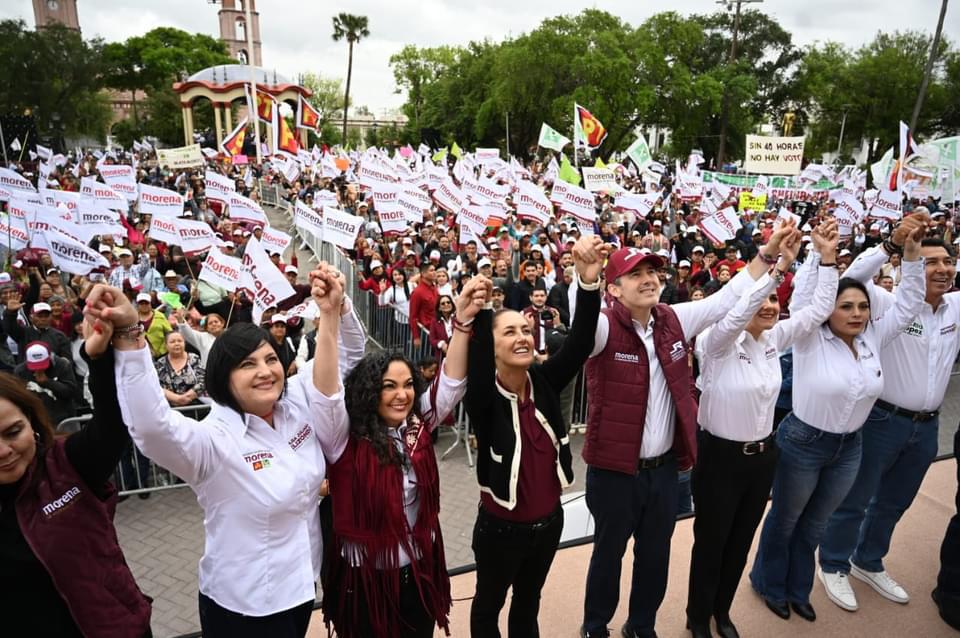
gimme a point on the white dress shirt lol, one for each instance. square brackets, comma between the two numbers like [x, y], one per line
[833, 389]
[258, 485]
[918, 363]
[448, 395]
[695, 317]
[740, 376]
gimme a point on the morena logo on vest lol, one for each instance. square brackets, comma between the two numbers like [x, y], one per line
[626, 357]
[55, 506]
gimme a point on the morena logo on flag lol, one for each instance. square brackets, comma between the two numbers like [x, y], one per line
[593, 131]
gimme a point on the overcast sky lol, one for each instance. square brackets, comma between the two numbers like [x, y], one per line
[296, 35]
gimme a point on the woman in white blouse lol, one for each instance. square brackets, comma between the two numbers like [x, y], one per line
[397, 294]
[836, 379]
[740, 379]
[255, 462]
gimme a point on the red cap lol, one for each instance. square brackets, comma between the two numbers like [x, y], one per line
[626, 259]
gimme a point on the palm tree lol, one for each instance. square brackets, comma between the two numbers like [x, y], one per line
[353, 28]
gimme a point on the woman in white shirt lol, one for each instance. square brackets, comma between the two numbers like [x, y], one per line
[385, 573]
[836, 379]
[740, 379]
[255, 463]
[397, 294]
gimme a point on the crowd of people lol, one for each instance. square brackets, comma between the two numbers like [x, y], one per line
[788, 358]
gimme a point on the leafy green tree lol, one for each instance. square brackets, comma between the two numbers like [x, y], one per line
[327, 96]
[55, 75]
[413, 69]
[351, 28]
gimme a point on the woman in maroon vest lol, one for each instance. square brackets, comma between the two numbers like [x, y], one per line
[66, 575]
[523, 456]
[385, 572]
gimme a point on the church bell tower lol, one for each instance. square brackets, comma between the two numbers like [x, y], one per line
[233, 29]
[63, 12]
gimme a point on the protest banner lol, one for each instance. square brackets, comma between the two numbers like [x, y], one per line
[164, 229]
[532, 203]
[221, 270]
[559, 192]
[886, 204]
[412, 208]
[307, 219]
[486, 154]
[392, 222]
[95, 219]
[785, 215]
[340, 228]
[245, 209]
[638, 203]
[753, 203]
[773, 155]
[274, 241]
[578, 202]
[475, 217]
[385, 198]
[262, 280]
[122, 179]
[218, 186]
[721, 226]
[324, 197]
[102, 193]
[159, 201]
[379, 173]
[848, 212]
[639, 153]
[180, 157]
[598, 180]
[306, 309]
[195, 237]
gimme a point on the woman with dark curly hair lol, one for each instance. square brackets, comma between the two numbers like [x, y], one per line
[523, 455]
[385, 572]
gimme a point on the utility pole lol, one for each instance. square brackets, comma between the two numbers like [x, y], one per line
[843, 126]
[724, 111]
[253, 85]
[928, 70]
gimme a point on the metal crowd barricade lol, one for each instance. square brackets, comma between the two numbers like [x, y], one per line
[136, 474]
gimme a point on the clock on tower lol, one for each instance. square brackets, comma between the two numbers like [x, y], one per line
[63, 12]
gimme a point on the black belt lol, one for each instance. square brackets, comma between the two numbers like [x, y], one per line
[915, 416]
[654, 462]
[527, 526]
[748, 448]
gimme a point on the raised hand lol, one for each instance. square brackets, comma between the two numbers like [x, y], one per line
[326, 290]
[790, 247]
[472, 298]
[911, 224]
[772, 248]
[588, 258]
[825, 238]
[14, 302]
[108, 304]
[96, 335]
[911, 243]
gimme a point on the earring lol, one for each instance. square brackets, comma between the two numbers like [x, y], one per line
[36, 437]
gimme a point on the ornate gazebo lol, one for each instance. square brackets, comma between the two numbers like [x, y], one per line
[223, 85]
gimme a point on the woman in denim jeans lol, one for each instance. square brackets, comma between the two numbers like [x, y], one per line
[837, 377]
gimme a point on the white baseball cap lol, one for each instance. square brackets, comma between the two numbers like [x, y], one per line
[434, 254]
[5, 278]
[484, 262]
[683, 264]
[376, 263]
[844, 253]
[144, 297]
[41, 307]
[123, 252]
[278, 318]
[170, 273]
[292, 269]
[37, 356]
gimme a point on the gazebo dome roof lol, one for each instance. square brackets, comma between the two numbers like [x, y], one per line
[230, 73]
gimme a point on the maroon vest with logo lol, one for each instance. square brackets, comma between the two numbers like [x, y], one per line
[71, 532]
[618, 380]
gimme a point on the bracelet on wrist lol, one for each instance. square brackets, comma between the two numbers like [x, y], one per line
[891, 248]
[830, 265]
[466, 323]
[129, 333]
[769, 260]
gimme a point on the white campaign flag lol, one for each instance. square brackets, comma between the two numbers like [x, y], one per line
[580, 203]
[122, 179]
[558, 194]
[340, 228]
[159, 201]
[596, 180]
[102, 193]
[760, 187]
[218, 186]
[192, 236]
[412, 206]
[721, 226]
[164, 229]
[96, 219]
[848, 212]
[475, 217]
[15, 144]
[221, 270]
[639, 203]
[15, 181]
[393, 220]
[887, 204]
[785, 215]
[263, 281]
[549, 138]
[44, 153]
[449, 197]
[305, 218]
[15, 231]
[245, 209]
[532, 203]
[72, 256]
[274, 241]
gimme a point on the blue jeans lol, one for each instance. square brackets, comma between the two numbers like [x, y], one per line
[814, 473]
[896, 454]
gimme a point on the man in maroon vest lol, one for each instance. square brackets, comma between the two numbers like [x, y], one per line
[641, 430]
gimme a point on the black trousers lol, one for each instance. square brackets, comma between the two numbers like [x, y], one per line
[730, 490]
[517, 555]
[217, 622]
[414, 621]
[641, 505]
[948, 580]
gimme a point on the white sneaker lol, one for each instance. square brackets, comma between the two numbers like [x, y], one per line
[838, 589]
[882, 583]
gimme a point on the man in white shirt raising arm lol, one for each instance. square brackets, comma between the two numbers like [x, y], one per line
[900, 437]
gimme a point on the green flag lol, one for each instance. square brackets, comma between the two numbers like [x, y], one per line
[440, 155]
[455, 151]
[172, 299]
[567, 172]
[549, 138]
[639, 152]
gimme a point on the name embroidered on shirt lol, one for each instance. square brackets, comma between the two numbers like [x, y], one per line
[744, 357]
[54, 506]
[300, 437]
[771, 353]
[947, 330]
[915, 329]
[628, 358]
[677, 351]
[259, 459]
